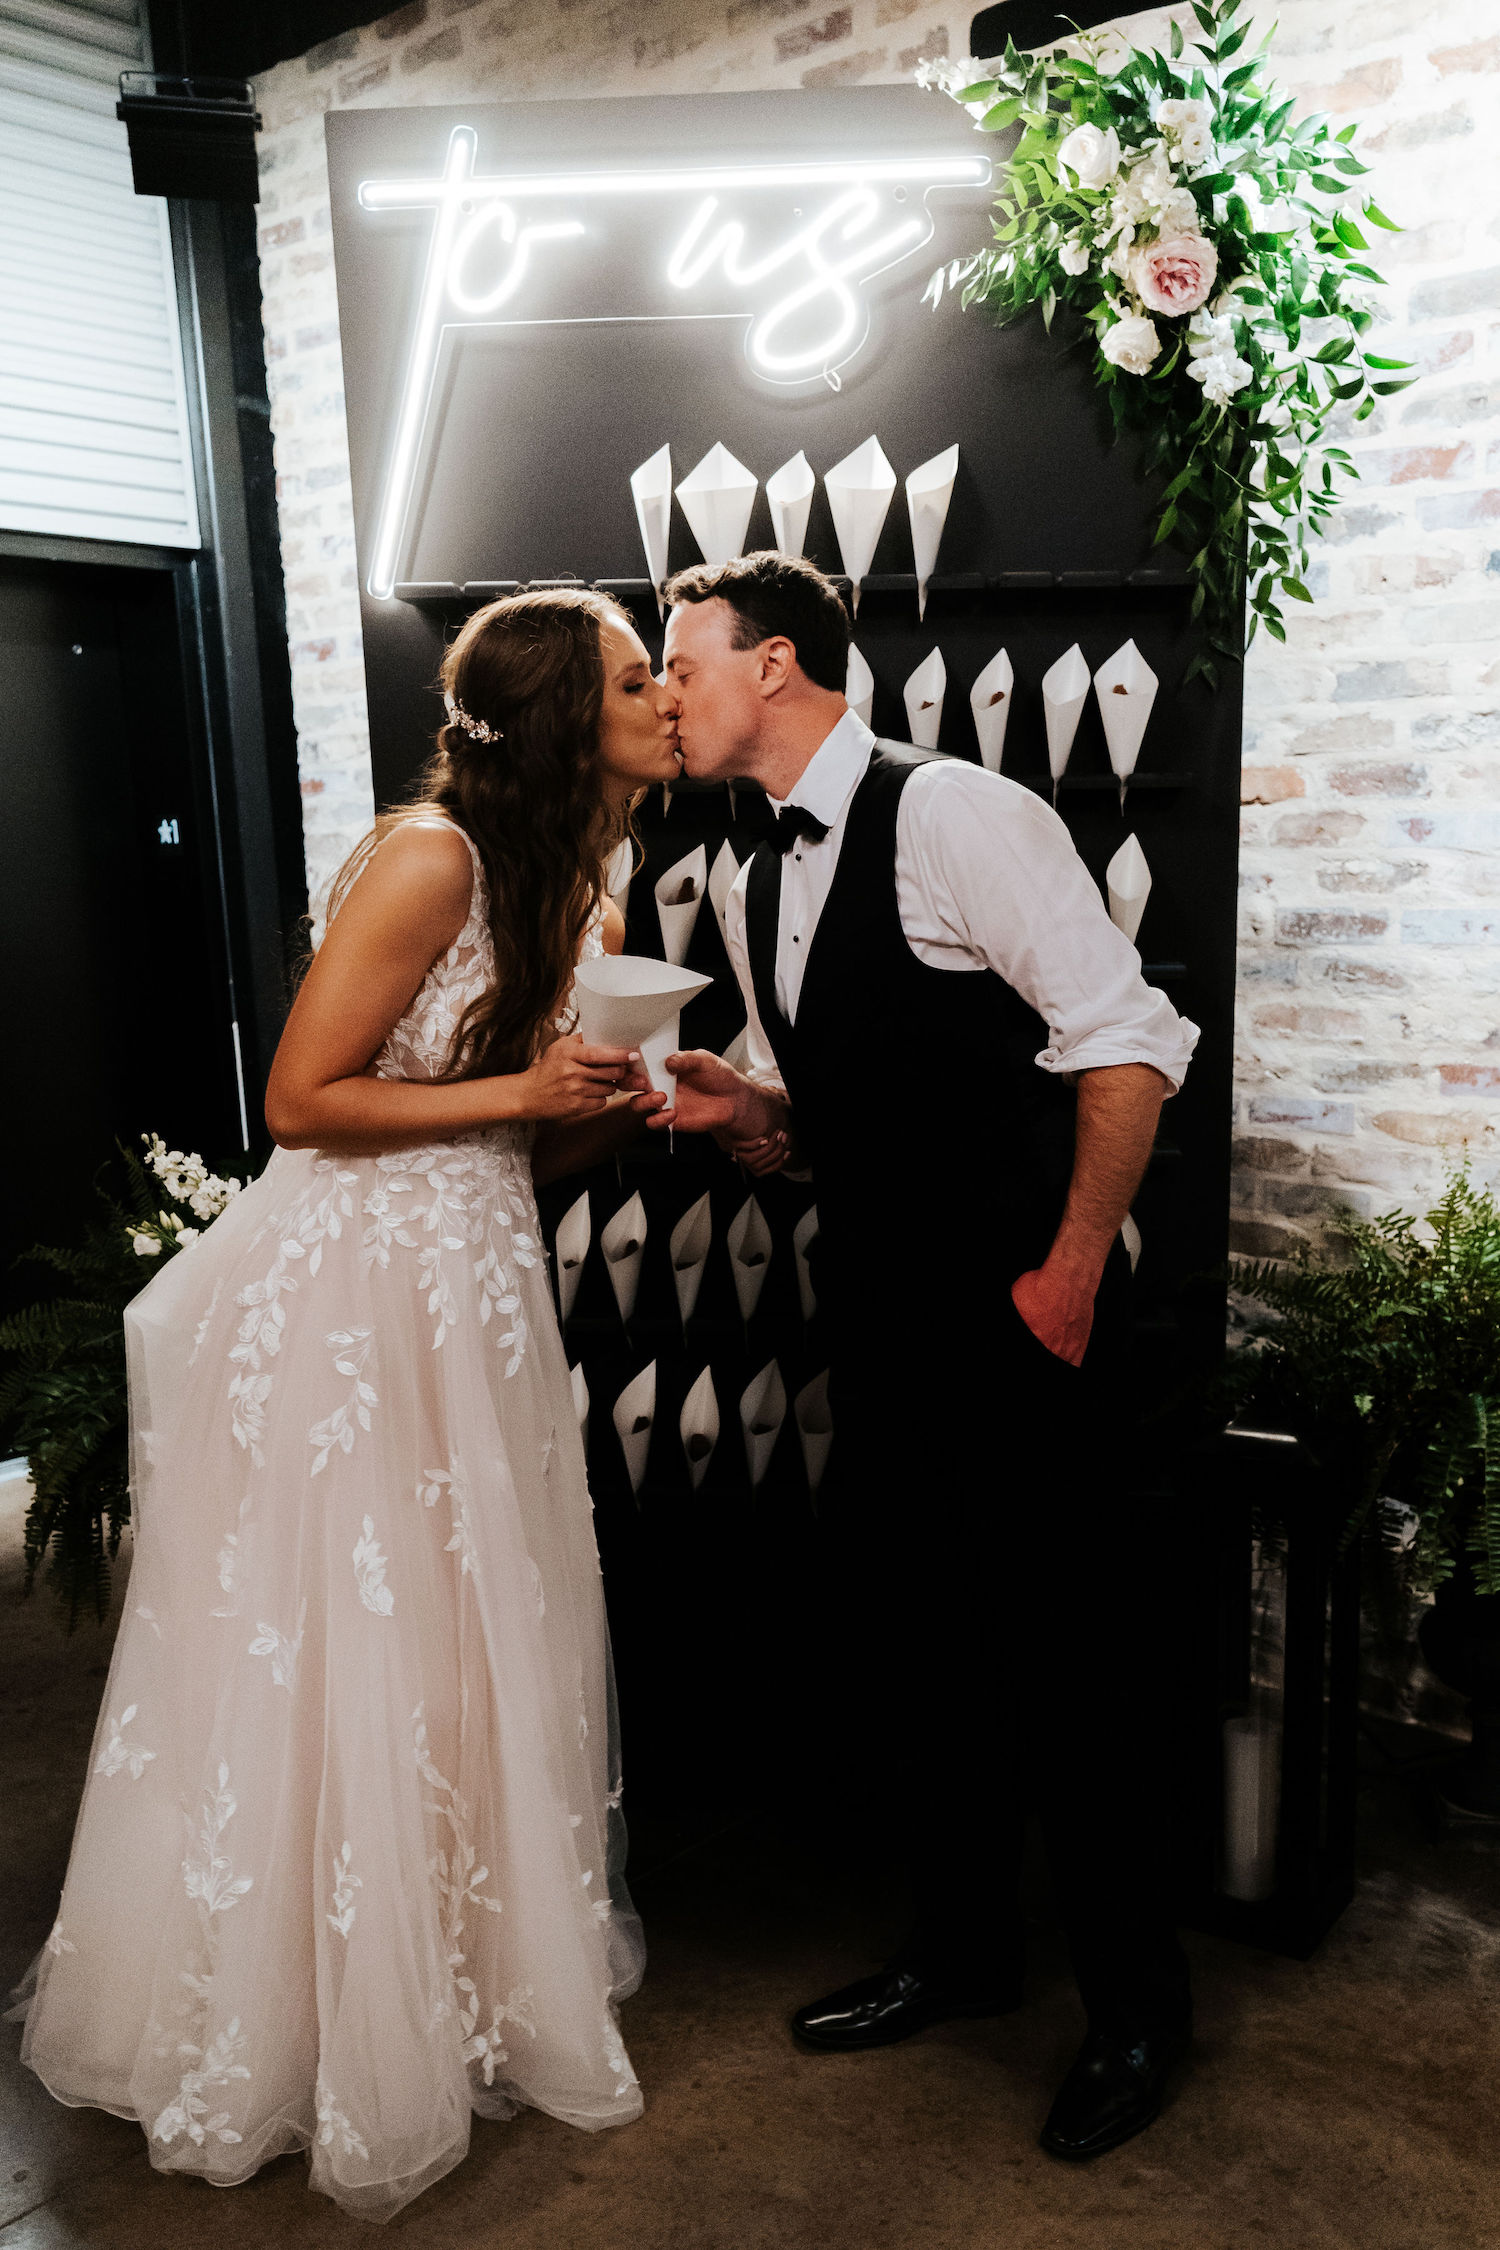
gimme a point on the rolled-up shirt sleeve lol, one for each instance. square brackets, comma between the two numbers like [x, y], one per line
[760, 1066]
[988, 876]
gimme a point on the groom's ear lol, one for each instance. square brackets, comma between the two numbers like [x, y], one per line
[778, 663]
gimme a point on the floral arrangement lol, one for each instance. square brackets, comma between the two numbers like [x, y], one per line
[1204, 241]
[63, 1398]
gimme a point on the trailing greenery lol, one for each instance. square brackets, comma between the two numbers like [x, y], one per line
[1388, 1368]
[1203, 239]
[63, 1400]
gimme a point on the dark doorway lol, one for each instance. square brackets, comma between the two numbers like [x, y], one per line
[115, 1014]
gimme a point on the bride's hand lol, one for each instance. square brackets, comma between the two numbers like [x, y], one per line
[572, 1080]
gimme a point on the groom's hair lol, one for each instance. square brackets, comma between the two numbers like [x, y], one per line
[774, 596]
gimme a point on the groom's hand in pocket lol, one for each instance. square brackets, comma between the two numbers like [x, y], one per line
[1057, 1305]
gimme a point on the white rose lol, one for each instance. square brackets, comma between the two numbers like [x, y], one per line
[1131, 344]
[1179, 116]
[1091, 156]
[1074, 257]
[1195, 145]
[146, 1246]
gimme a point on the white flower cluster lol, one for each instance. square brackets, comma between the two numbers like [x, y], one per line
[1214, 362]
[188, 1180]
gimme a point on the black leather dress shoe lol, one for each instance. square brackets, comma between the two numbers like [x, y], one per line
[879, 2010]
[1113, 2091]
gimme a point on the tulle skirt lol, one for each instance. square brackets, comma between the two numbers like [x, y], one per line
[347, 1865]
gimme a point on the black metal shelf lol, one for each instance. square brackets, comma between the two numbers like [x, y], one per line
[444, 593]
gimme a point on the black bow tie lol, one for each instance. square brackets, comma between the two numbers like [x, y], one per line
[793, 821]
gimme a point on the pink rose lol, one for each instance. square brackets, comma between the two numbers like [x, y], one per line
[1175, 273]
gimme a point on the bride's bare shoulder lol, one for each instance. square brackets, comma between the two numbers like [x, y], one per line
[417, 875]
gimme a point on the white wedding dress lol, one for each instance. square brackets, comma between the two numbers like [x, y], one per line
[347, 1866]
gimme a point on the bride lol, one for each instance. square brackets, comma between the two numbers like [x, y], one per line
[347, 1866]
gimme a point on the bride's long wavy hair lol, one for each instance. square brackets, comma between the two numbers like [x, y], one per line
[531, 668]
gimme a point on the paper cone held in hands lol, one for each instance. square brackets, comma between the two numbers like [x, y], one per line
[1126, 687]
[721, 879]
[749, 1254]
[990, 700]
[689, 1251]
[1064, 688]
[699, 1426]
[623, 1243]
[790, 493]
[804, 1235]
[1127, 879]
[635, 1411]
[928, 492]
[859, 685]
[814, 1429]
[574, 1234]
[581, 1403]
[716, 498]
[625, 1000]
[859, 492]
[651, 489]
[923, 695]
[762, 1412]
[679, 894]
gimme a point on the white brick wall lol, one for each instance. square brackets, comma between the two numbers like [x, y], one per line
[1369, 1037]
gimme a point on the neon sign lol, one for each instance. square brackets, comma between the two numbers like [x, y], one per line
[799, 295]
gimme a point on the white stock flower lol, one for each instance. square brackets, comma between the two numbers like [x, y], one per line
[1073, 257]
[188, 1234]
[1131, 344]
[1091, 156]
[1221, 373]
[145, 1245]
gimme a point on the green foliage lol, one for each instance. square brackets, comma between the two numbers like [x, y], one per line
[63, 1400]
[1388, 1368]
[1237, 406]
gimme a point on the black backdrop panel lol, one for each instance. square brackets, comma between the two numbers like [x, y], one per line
[534, 425]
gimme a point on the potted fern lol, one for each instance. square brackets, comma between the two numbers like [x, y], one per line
[1386, 1364]
[63, 1398]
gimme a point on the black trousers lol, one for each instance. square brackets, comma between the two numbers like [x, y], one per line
[989, 1588]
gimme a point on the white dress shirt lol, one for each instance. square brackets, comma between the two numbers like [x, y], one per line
[986, 878]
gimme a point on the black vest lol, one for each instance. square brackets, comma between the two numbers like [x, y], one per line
[939, 1150]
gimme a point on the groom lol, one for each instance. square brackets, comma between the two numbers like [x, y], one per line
[947, 1028]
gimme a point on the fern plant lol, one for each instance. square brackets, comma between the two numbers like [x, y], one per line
[1387, 1366]
[63, 1398]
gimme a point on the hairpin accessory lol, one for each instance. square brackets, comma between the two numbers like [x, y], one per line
[479, 729]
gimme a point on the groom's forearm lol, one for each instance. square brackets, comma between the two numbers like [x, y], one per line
[1118, 1109]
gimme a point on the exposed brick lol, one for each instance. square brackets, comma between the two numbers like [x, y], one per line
[1470, 1078]
[1317, 926]
[1370, 683]
[1267, 968]
[1419, 132]
[1473, 403]
[443, 46]
[1458, 511]
[1453, 621]
[285, 231]
[1347, 523]
[1317, 828]
[1456, 294]
[1298, 1111]
[402, 20]
[1457, 730]
[845, 70]
[1424, 1130]
[1413, 464]
[1353, 732]
[748, 15]
[365, 79]
[1372, 1166]
[1261, 1238]
[1362, 88]
[339, 49]
[1357, 974]
[1446, 925]
[1268, 785]
[1308, 1022]
[807, 37]
[1359, 1077]
[895, 11]
[1481, 54]
[1262, 1152]
[1370, 875]
[315, 339]
[930, 48]
[1303, 1199]
[1379, 780]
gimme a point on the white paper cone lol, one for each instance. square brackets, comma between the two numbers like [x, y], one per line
[626, 1000]
[749, 1254]
[581, 1403]
[635, 1411]
[859, 685]
[689, 1251]
[990, 700]
[1130, 1235]
[716, 498]
[923, 695]
[575, 1231]
[859, 492]
[721, 878]
[790, 493]
[651, 489]
[623, 1242]
[814, 1428]
[928, 492]
[1064, 687]
[618, 870]
[1251, 1763]
[1126, 687]
[1127, 879]
[737, 1053]
[678, 913]
[699, 1426]
[804, 1235]
[762, 1412]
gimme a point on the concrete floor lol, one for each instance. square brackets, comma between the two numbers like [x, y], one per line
[1350, 2102]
